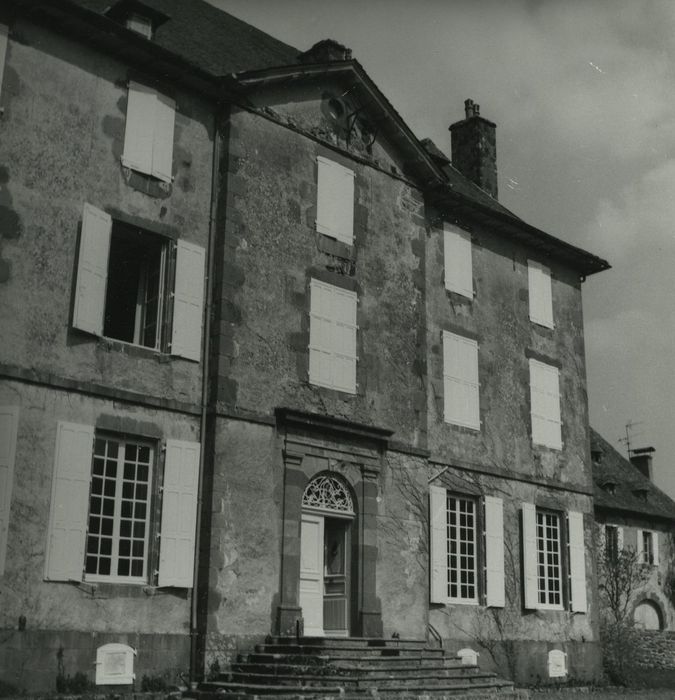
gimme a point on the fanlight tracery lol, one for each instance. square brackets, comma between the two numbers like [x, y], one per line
[328, 493]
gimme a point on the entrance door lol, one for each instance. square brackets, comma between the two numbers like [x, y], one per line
[324, 575]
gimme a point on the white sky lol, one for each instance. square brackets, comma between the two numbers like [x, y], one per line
[583, 94]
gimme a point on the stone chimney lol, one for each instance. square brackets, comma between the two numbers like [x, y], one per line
[474, 149]
[325, 51]
[642, 459]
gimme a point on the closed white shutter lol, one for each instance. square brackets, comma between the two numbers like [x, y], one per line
[438, 538]
[529, 514]
[162, 146]
[188, 301]
[494, 551]
[460, 381]
[139, 131]
[545, 404]
[332, 337]
[4, 32]
[70, 502]
[575, 525]
[619, 538]
[179, 514]
[335, 200]
[92, 270]
[458, 261]
[9, 423]
[655, 545]
[540, 294]
[640, 546]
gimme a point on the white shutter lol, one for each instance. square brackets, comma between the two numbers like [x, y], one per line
[4, 31]
[188, 301]
[545, 404]
[332, 337]
[575, 524]
[494, 551]
[458, 261]
[540, 294]
[9, 423]
[640, 546]
[529, 513]
[335, 200]
[139, 131]
[162, 147]
[460, 381]
[655, 546]
[92, 270]
[69, 506]
[179, 514]
[619, 539]
[438, 537]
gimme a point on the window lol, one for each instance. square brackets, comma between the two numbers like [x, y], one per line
[540, 294]
[613, 542]
[119, 510]
[457, 261]
[545, 559]
[103, 497]
[460, 381]
[335, 201]
[545, 405]
[455, 549]
[148, 134]
[139, 287]
[9, 422]
[332, 337]
[140, 24]
[648, 547]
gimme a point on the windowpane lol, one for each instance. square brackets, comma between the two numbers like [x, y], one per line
[117, 522]
[549, 572]
[461, 547]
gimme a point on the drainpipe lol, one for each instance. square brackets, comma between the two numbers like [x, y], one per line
[206, 342]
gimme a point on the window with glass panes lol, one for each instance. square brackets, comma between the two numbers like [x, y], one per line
[119, 510]
[611, 542]
[647, 547]
[462, 555]
[549, 571]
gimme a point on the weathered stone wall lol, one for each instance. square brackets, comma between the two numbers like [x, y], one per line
[655, 649]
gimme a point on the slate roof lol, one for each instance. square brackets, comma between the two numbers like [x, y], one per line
[614, 467]
[209, 38]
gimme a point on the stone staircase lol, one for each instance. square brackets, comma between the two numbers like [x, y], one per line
[321, 667]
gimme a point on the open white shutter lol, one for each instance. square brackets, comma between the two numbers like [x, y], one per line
[335, 200]
[179, 514]
[619, 539]
[9, 423]
[344, 339]
[70, 502]
[494, 551]
[162, 146]
[188, 301]
[4, 32]
[139, 131]
[458, 261]
[92, 270]
[540, 294]
[640, 546]
[655, 546]
[575, 524]
[438, 537]
[529, 513]
[460, 381]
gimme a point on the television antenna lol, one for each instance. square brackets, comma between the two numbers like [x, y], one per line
[630, 435]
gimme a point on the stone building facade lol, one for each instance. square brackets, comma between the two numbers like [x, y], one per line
[270, 363]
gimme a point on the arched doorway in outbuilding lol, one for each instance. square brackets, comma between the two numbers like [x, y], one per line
[325, 556]
[648, 616]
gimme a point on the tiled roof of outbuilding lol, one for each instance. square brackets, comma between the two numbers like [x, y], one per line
[209, 38]
[627, 479]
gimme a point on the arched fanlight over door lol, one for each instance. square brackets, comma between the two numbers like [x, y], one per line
[328, 493]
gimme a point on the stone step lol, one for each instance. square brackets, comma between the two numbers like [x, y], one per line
[345, 650]
[350, 670]
[348, 641]
[362, 661]
[351, 683]
[483, 689]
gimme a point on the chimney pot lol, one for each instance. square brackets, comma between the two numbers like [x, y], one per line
[474, 148]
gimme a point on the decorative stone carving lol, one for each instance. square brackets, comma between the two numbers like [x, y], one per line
[328, 493]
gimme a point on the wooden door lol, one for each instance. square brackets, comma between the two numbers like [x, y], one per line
[311, 573]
